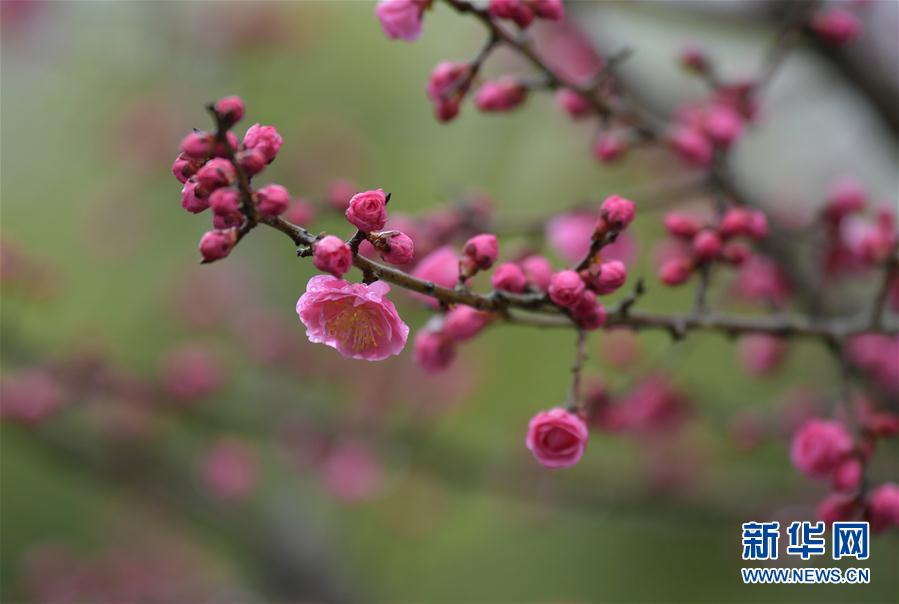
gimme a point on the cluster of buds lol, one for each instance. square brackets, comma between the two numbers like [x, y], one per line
[701, 129]
[523, 12]
[653, 405]
[367, 211]
[853, 239]
[435, 345]
[836, 25]
[875, 356]
[451, 81]
[209, 165]
[573, 291]
[700, 243]
[824, 449]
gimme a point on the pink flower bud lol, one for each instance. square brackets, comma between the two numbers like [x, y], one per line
[758, 225]
[675, 271]
[190, 200]
[252, 161]
[197, 144]
[846, 197]
[848, 475]
[433, 351]
[587, 313]
[185, 167]
[300, 212]
[692, 146]
[706, 245]
[682, 225]
[557, 438]
[617, 211]
[509, 277]
[231, 109]
[610, 276]
[368, 210]
[500, 95]
[836, 25]
[28, 396]
[819, 446]
[538, 271]
[761, 354]
[224, 222]
[837, 507]
[215, 245]
[264, 139]
[482, 249]
[740, 221]
[340, 192]
[189, 373]
[225, 201]
[332, 255]
[552, 10]
[574, 103]
[229, 470]
[566, 289]
[352, 473]
[464, 322]
[513, 10]
[609, 147]
[592, 319]
[447, 85]
[723, 125]
[883, 507]
[217, 172]
[695, 59]
[396, 247]
[401, 19]
[881, 424]
[272, 200]
[440, 267]
[735, 253]
[222, 150]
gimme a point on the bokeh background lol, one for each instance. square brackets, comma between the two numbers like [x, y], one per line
[374, 482]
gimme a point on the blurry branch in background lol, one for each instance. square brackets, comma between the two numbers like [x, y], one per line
[286, 557]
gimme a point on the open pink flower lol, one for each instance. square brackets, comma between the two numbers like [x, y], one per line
[355, 319]
[557, 438]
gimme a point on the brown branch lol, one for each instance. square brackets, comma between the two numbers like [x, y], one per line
[542, 313]
[574, 401]
[643, 122]
[890, 274]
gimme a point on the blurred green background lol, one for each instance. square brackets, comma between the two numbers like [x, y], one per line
[95, 97]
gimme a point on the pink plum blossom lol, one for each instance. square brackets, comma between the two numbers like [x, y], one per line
[356, 319]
